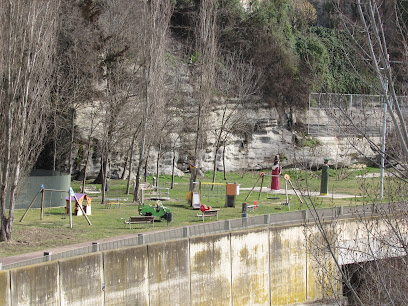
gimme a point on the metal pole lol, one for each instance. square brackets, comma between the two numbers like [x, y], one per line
[69, 209]
[384, 130]
[42, 203]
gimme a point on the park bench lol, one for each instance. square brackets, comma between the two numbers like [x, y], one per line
[161, 192]
[154, 192]
[209, 213]
[139, 219]
[91, 189]
[251, 207]
[145, 186]
[112, 203]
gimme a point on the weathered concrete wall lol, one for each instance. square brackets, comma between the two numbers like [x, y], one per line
[288, 263]
[5, 288]
[126, 276]
[250, 267]
[169, 273]
[35, 285]
[210, 264]
[263, 266]
[80, 279]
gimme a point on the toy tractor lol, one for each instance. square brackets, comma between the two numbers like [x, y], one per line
[158, 211]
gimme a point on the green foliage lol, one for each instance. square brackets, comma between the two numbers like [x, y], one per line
[309, 142]
[323, 50]
[314, 52]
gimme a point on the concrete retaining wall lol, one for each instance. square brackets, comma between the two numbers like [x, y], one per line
[35, 285]
[250, 267]
[5, 288]
[126, 276]
[169, 273]
[210, 264]
[263, 266]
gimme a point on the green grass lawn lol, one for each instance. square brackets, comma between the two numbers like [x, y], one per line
[33, 234]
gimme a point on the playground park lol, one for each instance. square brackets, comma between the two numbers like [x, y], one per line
[299, 190]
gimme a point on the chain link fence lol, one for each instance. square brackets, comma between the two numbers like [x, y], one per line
[345, 115]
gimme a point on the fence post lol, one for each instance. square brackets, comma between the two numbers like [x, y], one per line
[186, 231]
[306, 215]
[267, 219]
[47, 256]
[95, 246]
[244, 220]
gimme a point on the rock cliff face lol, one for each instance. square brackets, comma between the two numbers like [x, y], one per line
[270, 136]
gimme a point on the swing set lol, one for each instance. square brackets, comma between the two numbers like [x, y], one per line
[71, 194]
[287, 179]
[213, 191]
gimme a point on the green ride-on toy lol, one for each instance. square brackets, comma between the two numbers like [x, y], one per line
[158, 210]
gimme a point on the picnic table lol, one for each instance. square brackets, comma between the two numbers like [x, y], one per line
[139, 219]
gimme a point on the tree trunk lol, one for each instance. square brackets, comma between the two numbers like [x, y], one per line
[157, 167]
[193, 169]
[72, 141]
[103, 171]
[130, 163]
[173, 166]
[217, 147]
[223, 163]
[124, 167]
[4, 233]
[139, 167]
[214, 166]
[145, 168]
[86, 163]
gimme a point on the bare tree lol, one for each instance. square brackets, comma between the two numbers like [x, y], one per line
[155, 26]
[204, 61]
[28, 36]
[237, 82]
[377, 251]
[119, 24]
[75, 77]
[92, 126]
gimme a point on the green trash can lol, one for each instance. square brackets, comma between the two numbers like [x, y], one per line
[324, 183]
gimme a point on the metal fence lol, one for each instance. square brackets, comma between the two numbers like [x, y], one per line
[279, 219]
[332, 114]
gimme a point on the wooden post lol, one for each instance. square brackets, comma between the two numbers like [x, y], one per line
[42, 203]
[295, 192]
[253, 187]
[70, 209]
[260, 190]
[80, 207]
[29, 206]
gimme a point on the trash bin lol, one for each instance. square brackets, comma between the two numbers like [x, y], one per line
[169, 217]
